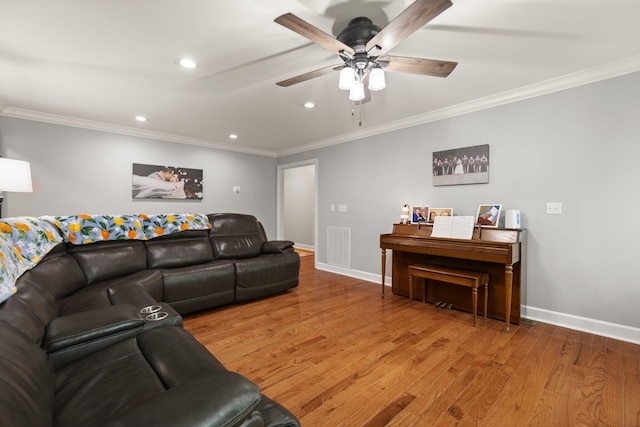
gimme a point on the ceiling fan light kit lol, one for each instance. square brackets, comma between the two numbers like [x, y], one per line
[362, 42]
[356, 93]
[347, 78]
[376, 79]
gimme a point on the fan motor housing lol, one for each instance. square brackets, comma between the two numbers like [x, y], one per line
[359, 31]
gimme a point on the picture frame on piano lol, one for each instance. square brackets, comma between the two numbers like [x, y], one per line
[434, 212]
[489, 214]
[419, 214]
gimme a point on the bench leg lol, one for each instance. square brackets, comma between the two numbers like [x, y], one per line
[486, 299]
[474, 300]
[410, 290]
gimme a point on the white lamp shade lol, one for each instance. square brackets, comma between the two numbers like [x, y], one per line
[376, 79]
[347, 78]
[357, 92]
[15, 175]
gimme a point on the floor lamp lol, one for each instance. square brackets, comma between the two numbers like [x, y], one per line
[15, 176]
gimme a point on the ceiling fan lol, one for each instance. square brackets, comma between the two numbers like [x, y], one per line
[362, 44]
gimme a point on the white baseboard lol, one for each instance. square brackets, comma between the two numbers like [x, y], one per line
[584, 324]
[369, 277]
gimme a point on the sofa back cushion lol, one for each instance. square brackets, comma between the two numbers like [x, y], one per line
[59, 272]
[235, 236]
[106, 260]
[176, 252]
[29, 310]
[27, 392]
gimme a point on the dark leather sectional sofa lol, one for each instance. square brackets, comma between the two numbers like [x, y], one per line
[76, 350]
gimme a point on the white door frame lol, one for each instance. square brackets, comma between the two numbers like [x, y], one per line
[280, 198]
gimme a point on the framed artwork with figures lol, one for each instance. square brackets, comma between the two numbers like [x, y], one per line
[434, 212]
[166, 182]
[419, 214]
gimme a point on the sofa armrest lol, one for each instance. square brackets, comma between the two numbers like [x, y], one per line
[221, 399]
[277, 246]
[68, 338]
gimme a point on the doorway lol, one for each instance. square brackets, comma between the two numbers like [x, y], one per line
[297, 201]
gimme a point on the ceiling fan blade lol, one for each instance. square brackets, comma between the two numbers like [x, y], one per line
[412, 18]
[310, 75]
[428, 67]
[316, 35]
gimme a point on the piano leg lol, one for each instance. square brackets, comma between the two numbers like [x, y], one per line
[508, 286]
[384, 264]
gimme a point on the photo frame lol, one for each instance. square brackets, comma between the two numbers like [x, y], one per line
[434, 212]
[489, 214]
[466, 165]
[166, 182]
[419, 214]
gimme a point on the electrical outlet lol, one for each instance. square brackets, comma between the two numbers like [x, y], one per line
[342, 208]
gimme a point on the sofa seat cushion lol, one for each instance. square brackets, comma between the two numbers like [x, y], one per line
[197, 287]
[266, 275]
[145, 285]
[162, 377]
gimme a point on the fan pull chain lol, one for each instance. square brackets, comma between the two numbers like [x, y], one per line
[353, 113]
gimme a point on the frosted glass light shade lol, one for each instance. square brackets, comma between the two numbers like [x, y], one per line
[347, 78]
[357, 92]
[15, 175]
[376, 79]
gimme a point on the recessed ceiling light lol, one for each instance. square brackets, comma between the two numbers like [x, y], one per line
[233, 136]
[187, 63]
[141, 118]
[309, 105]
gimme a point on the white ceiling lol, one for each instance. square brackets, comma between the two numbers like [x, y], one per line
[99, 63]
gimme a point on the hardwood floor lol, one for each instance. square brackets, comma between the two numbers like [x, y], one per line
[335, 354]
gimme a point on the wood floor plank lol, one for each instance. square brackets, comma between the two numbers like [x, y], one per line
[336, 354]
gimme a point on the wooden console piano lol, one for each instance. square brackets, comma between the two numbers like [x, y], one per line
[494, 250]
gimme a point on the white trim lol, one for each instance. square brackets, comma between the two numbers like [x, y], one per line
[602, 72]
[280, 199]
[363, 275]
[568, 81]
[584, 324]
[20, 113]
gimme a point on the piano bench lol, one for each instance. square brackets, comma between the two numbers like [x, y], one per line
[456, 276]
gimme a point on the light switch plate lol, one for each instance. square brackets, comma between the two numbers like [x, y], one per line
[342, 208]
[554, 208]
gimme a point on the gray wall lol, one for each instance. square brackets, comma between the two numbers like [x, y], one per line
[85, 171]
[578, 146]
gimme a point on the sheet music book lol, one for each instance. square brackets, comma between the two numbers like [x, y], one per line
[454, 227]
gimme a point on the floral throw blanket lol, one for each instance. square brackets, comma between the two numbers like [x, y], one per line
[84, 229]
[25, 240]
[23, 243]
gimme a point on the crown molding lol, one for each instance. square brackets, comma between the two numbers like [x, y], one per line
[125, 130]
[592, 75]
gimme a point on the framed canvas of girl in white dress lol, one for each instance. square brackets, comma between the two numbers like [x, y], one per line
[166, 182]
